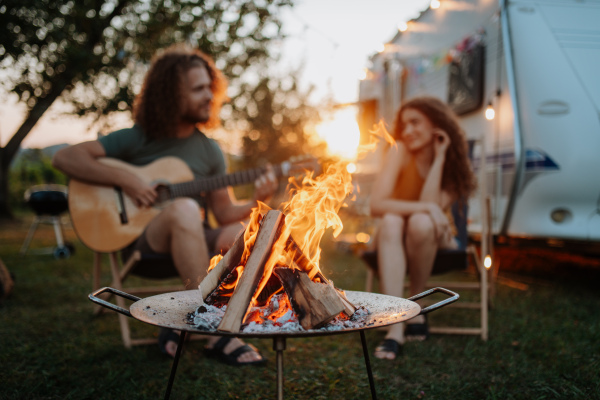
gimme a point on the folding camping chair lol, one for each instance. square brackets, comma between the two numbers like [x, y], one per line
[448, 260]
[120, 271]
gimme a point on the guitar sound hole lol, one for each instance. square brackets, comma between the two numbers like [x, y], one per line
[164, 194]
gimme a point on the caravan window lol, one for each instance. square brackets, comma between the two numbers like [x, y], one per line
[465, 86]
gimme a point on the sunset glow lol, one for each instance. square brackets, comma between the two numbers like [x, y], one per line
[341, 133]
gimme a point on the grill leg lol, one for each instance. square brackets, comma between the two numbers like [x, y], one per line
[32, 230]
[368, 364]
[279, 347]
[174, 366]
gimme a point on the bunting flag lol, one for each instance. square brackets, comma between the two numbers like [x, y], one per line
[423, 64]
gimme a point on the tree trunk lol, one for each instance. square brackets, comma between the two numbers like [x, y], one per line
[5, 212]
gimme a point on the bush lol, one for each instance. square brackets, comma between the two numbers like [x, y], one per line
[31, 168]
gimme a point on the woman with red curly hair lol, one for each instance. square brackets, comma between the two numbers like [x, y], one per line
[424, 173]
[181, 94]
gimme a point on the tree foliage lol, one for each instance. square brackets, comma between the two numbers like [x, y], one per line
[274, 113]
[92, 53]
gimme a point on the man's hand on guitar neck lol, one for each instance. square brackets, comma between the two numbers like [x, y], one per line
[266, 185]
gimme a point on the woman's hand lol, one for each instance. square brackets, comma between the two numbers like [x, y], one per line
[441, 142]
[440, 220]
[266, 185]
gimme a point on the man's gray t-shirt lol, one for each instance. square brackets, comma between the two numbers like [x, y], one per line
[200, 153]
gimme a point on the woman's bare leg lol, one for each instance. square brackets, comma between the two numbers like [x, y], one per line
[392, 269]
[421, 249]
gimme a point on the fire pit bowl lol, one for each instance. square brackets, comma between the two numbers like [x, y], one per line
[171, 310]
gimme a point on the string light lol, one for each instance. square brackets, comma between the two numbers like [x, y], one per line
[402, 26]
[487, 262]
[435, 4]
[489, 112]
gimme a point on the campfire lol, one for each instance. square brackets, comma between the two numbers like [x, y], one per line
[271, 275]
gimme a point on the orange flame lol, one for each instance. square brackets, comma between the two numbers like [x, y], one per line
[273, 312]
[378, 133]
[311, 210]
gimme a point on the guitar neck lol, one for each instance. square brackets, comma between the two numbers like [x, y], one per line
[199, 186]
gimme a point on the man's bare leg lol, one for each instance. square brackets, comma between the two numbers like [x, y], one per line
[179, 230]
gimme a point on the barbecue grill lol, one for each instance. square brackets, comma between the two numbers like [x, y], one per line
[171, 310]
[48, 202]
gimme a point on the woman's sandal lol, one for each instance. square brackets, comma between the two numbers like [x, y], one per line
[417, 332]
[217, 351]
[389, 346]
[166, 335]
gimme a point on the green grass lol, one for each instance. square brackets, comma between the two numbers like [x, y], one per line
[544, 343]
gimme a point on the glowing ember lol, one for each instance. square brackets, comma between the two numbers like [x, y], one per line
[276, 316]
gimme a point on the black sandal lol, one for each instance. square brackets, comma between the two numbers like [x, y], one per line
[389, 346]
[417, 332]
[217, 351]
[166, 335]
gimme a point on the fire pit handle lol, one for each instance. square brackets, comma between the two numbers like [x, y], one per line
[452, 299]
[94, 297]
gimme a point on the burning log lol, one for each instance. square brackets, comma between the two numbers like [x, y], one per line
[219, 273]
[253, 272]
[314, 303]
[306, 265]
[245, 277]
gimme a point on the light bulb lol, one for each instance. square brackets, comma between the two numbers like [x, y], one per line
[489, 112]
[435, 4]
[487, 262]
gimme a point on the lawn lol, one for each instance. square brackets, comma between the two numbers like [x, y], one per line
[544, 341]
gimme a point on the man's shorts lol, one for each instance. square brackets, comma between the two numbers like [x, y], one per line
[160, 265]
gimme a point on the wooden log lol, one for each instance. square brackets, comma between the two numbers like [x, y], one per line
[314, 303]
[306, 265]
[230, 260]
[268, 233]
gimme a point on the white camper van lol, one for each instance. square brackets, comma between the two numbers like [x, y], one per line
[536, 64]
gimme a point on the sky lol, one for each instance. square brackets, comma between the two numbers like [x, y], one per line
[331, 40]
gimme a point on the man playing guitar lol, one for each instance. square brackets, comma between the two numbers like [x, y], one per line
[182, 91]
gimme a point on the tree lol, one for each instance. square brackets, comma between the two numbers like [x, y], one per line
[92, 53]
[274, 114]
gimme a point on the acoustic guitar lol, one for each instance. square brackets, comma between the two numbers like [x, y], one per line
[106, 219]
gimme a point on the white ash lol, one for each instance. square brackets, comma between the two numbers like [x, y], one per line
[208, 318]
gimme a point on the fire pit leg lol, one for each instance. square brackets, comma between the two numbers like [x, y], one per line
[279, 347]
[174, 366]
[368, 363]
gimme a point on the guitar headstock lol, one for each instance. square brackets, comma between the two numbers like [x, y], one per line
[299, 164]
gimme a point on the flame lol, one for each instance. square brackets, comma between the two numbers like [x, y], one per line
[311, 210]
[277, 307]
[214, 261]
[377, 134]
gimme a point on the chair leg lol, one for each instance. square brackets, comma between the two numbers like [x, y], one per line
[369, 280]
[483, 289]
[96, 279]
[123, 320]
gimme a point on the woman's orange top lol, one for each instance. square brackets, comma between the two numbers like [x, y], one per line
[409, 183]
[409, 186]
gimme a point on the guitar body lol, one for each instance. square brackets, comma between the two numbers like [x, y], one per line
[96, 210]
